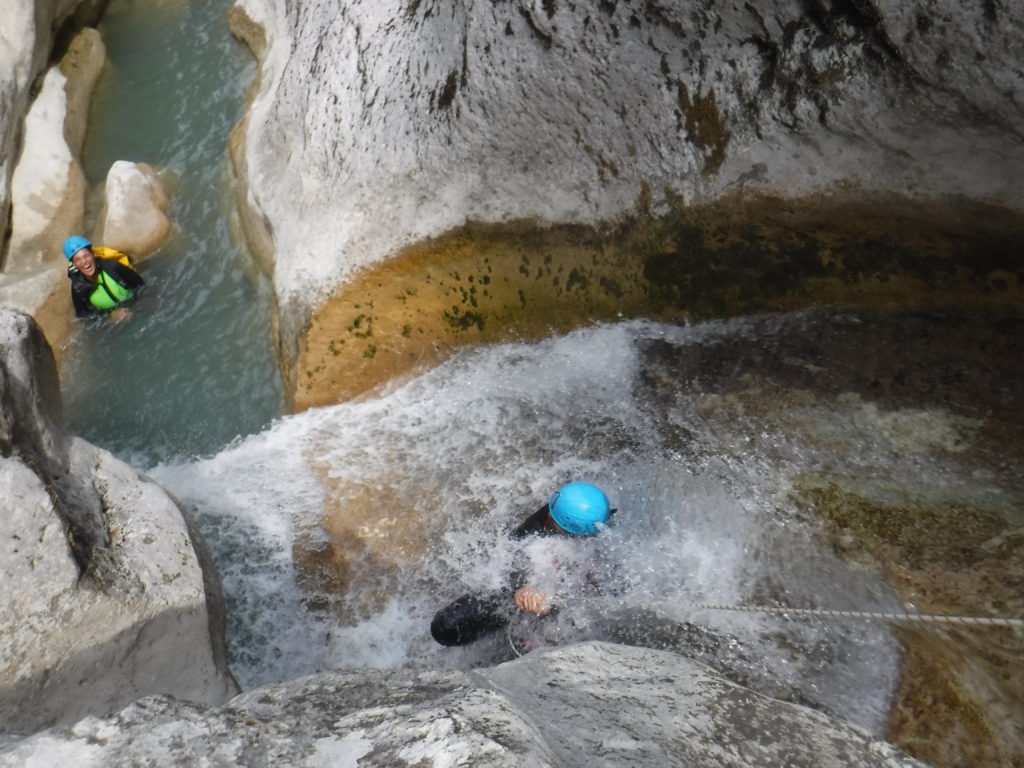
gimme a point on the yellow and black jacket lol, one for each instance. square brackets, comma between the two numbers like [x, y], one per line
[115, 283]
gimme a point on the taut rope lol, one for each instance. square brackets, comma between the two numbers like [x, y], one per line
[912, 617]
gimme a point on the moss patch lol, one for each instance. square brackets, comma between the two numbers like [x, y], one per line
[705, 127]
[908, 537]
[960, 700]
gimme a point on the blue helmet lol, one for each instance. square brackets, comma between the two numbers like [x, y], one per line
[73, 245]
[579, 507]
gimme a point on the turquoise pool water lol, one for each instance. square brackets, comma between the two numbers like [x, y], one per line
[194, 368]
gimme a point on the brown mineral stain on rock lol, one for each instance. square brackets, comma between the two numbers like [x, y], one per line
[960, 701]
[705, 127]
[351, 556]
[483, 283]
[486, 283]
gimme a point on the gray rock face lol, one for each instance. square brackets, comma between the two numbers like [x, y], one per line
[585, 705]
[42, 199]
[48, 187]
[109, 593]
[29, 27]
[379, 124]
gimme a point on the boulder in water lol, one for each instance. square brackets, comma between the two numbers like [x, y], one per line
[135, 212]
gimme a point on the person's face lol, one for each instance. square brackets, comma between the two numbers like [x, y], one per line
[85, 261]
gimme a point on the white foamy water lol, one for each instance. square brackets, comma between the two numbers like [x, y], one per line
[451, 461]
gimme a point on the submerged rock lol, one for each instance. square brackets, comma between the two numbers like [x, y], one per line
[909, 430]
[586, 705]
[110, 594]
[737, 256]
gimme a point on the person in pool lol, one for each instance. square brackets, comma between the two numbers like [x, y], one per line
[576, 509]
[100, 284]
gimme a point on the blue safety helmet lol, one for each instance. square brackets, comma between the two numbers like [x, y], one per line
[74, 244]
[579, 508]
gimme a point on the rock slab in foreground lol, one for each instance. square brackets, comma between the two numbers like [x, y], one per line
[109, 594]
[592, 704]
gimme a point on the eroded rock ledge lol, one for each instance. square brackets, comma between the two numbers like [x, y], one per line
[110, 593]
[738, 255]
[377, 127]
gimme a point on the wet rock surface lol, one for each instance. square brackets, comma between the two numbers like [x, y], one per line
[921, 482]
[585, 705]
[135, 209]
[737, 256]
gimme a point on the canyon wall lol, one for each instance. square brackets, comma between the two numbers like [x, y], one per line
[378, 126]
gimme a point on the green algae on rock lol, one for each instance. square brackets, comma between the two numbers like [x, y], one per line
[960, 697]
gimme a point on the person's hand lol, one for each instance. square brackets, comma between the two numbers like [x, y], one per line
[533, 601]
[120, 314]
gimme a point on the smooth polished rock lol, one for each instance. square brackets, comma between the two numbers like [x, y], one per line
[48, 186]
[580, 706]
[110, 593]
[25, 49]
[82, 64]
[48, 189]
[135, 209]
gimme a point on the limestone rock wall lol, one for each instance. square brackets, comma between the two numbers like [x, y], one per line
[48, 186]
[109, 592]
[30, 30]
[375, 125]
[45, 199]
[586, 705]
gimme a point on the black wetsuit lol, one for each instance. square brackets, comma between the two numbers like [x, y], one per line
[82, 287]
[474, 615]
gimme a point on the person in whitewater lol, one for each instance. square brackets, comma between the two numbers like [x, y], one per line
[577, 510]
[102, 279]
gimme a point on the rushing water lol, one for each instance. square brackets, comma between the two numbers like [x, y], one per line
[442, 467]
[194, 367]
[414, 490]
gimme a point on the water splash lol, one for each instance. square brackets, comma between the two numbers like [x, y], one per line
[412, 494]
